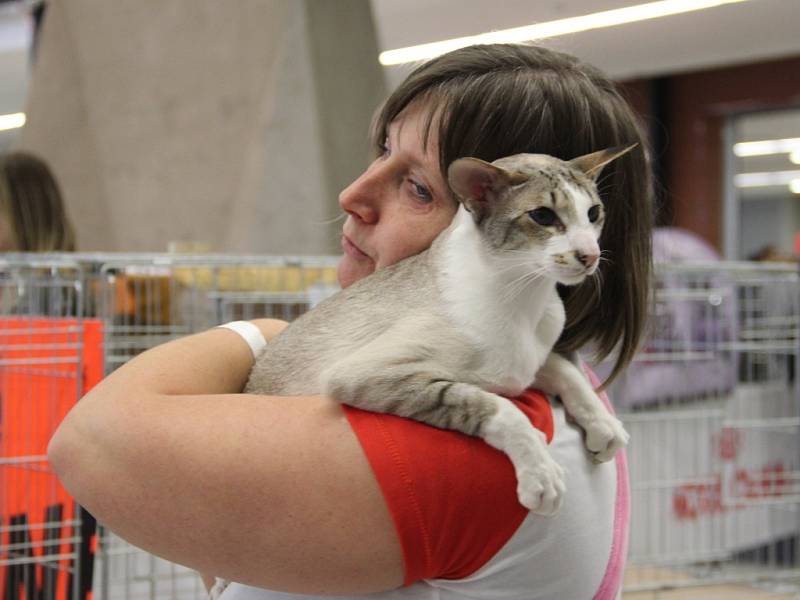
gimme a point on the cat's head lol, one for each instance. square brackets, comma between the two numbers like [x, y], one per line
[538, 210]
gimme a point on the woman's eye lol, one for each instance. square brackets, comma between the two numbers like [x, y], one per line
[594, 213]
[543, 216]
[421, 191]
[384, 149]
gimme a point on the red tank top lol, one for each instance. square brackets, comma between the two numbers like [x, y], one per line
[452, 497]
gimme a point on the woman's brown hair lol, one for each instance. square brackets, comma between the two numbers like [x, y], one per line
[31, 202]
[497, 100]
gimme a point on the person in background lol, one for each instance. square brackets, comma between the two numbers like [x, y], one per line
[299, 497]
[33, 217]
[771, 253]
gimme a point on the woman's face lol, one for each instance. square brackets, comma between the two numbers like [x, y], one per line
[398, 206]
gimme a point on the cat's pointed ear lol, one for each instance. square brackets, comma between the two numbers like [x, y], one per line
[592, 164]
[477, 183]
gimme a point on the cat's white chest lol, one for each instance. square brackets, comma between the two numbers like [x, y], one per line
[518, 348]
[515, 337]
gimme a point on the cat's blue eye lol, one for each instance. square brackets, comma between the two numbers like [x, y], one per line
[543, 216]
[594, 213]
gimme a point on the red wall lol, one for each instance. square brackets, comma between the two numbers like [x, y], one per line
[693, 110]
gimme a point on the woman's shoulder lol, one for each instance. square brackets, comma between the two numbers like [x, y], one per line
[453, 498]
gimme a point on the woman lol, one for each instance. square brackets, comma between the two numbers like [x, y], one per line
[308, 497]
[32, 213]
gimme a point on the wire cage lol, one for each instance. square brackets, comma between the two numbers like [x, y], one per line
[67, 320]
[710, 401]
[42, 347]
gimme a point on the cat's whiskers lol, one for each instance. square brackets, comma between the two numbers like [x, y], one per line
[603, 259]
[597, 280]
[512, 268]
[512, 291]
[515, 256]
[510, 263]
[514, 288]
[532, 278]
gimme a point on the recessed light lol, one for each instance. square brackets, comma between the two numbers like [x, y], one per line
[12, 121]
[763, 147]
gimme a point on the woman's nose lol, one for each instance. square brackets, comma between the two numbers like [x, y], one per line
[362, 198]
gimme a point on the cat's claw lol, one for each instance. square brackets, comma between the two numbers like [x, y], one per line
[604, 436]
[540, 488]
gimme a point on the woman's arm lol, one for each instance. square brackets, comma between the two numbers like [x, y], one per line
[269, 491]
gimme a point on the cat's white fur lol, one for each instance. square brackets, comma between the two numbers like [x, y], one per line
[437, 337]
[517, 333]
[518, 338]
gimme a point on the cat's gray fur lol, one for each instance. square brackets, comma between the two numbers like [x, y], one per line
[405, 341]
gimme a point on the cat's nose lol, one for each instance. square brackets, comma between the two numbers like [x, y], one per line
[587, 260]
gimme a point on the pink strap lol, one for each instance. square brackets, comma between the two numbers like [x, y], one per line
[612, 580]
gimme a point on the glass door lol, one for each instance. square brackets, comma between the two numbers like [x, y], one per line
[762, 216]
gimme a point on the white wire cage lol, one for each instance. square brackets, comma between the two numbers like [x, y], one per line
[711, 403]
[65, 321]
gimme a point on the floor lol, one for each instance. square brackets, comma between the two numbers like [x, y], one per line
[691, 587]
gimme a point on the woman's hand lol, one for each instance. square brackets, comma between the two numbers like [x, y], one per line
[269, 491]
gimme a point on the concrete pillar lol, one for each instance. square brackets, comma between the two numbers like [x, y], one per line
[234, 124]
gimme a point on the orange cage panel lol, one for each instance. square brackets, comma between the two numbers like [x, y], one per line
[46, 364]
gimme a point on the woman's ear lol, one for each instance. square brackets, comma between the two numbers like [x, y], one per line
[478, 183]
[592, 164]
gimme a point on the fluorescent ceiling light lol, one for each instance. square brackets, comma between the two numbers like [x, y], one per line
[764, 147]
[12, 121]
[766, 178]
[795, 157]
[794, 186]
[606, 18]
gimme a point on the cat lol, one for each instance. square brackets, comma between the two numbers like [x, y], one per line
[439, 336]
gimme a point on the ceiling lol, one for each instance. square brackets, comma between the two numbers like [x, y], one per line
[736, 33]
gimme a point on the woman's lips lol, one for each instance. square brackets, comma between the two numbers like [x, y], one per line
[351, 249]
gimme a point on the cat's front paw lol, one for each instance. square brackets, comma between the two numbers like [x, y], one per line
[605, 435]
[540, 486]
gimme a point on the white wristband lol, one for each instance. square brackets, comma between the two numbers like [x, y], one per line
[250, 333]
